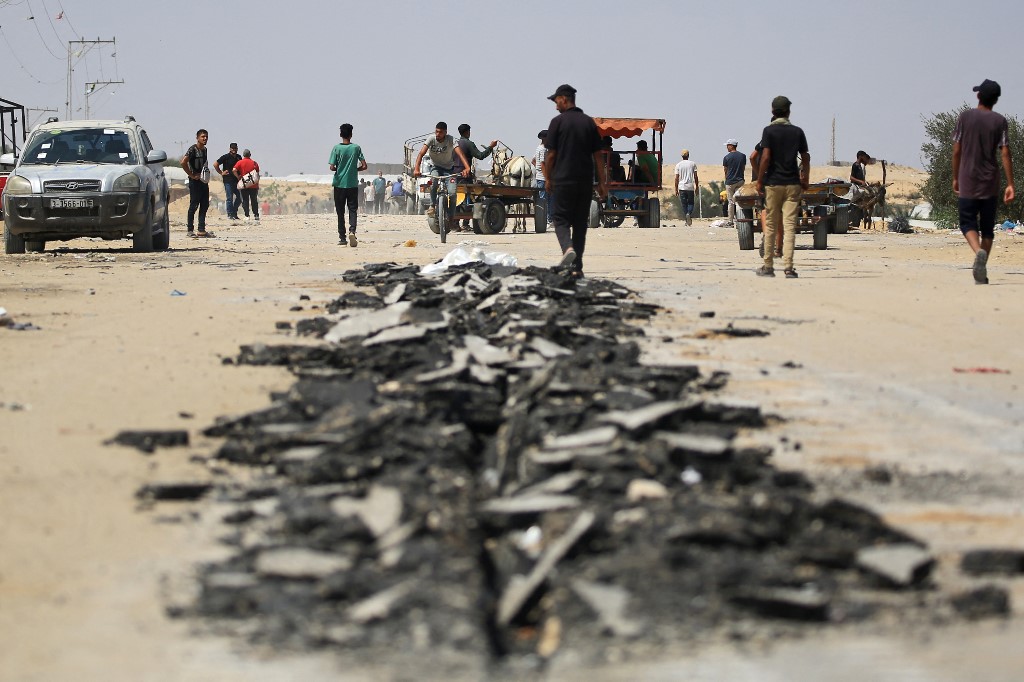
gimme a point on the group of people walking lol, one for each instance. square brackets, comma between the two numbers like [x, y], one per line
[241, 177]
[781, 172]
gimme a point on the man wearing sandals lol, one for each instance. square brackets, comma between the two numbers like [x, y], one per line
[979, 133]
[195, 163]
[782, 183]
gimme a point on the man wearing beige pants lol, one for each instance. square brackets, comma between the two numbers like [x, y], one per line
[782, 182]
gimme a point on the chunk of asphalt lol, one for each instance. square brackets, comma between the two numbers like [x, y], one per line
[529, 504]
[988, 601]
[367, 323]
[380, 604]
[993, 562]
[806, 603]
[173, 492]
[900, 565]
[149, 440]
[649, 416]
[521, 588]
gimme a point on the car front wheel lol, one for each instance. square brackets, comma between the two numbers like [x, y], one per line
[13, 243]
[163, 240]
[142, 238]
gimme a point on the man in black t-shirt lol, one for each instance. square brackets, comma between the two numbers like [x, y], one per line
[574, 153]
[225, 166]
[198, 170]
[858, 174]
[782, 182]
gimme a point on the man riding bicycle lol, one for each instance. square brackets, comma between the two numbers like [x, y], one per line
[442, 151]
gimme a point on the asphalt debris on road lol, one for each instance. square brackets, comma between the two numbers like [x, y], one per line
[478, 466]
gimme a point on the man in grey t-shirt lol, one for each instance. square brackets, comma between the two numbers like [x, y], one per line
[979, 133]
[442, 151]
[733, 165]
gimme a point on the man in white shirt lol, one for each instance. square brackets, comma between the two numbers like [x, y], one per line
[686, 184]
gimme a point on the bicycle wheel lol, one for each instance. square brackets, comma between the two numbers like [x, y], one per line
[443, 214]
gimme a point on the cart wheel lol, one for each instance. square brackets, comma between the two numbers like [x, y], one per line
[821, 235]
[494, 218]
[654, 213]
[842, 219]
[641, 220]
[595, 214]
[745, 232]
[540, 218]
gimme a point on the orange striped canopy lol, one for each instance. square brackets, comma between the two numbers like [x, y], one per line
[628, 127]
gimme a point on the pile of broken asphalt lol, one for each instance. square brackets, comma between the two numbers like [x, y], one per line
[478, 467]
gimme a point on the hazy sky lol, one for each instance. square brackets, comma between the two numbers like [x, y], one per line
[279, 77]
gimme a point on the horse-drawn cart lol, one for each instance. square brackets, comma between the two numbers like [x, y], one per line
[507, 192]
[629, 194]
[824, 208]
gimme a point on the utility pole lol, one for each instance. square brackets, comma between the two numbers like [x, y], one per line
[91, 88]
[833, 162]
[41, 110]
[83, 43]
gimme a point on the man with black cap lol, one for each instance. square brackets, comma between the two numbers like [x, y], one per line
[978, 134]
[733, 165]
[573, 154]
[225, 168]
[782, 183]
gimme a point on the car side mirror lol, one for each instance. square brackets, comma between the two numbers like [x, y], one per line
[7, 159]
[156, 156]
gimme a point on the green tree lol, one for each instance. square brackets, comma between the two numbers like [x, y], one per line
[937, 153]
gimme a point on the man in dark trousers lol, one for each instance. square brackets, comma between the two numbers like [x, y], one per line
[979, 133]
[573, 153]
[782, 183]
[225, 166]
[198, 170]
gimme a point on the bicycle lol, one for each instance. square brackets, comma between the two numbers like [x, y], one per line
[443, 206]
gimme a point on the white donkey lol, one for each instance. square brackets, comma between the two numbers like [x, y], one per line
[515, 171]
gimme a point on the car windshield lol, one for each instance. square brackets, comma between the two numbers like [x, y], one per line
[81, 145]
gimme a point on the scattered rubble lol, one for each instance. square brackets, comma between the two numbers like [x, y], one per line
[479, 463]
[149, 441]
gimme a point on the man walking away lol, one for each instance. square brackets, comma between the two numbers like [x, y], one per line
[573, 153]
[686, 183]
[195, 163]
[379, 185]
[538, 175]
[346, 161]
[225, 168]
[250, 170]
[782, 182]
[734, 163]
[978, 134]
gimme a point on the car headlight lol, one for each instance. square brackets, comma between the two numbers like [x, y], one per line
[129, 182]
[18, 185]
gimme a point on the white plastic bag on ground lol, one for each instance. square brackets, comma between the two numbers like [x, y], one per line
[468, 252]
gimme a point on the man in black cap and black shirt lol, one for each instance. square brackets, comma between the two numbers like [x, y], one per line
[781, 143]
[573, 153]
[225, 168]
[978, 134]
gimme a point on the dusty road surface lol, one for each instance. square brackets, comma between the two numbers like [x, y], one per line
[860, 365]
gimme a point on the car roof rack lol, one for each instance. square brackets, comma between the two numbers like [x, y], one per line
[52, 119]
[129, 119]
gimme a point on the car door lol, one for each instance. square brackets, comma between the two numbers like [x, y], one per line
[158, 189]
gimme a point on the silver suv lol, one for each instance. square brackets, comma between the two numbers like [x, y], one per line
[86, 179]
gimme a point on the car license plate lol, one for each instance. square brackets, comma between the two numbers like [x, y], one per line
[72, 203]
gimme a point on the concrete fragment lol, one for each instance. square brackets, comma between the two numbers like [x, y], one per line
[529, 504]
[298, 563]
[899, 565]
[609, 602]
[600, 436]
[366, 323]
[380, 510]
[380, 605]
[645, 489]
[650, 415]
[807, 603]
[483, 352]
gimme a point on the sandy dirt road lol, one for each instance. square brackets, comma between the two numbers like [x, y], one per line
[873, 332]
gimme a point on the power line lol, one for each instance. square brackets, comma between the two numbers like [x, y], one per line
[87, 45]
[22, 64]
[39, 33]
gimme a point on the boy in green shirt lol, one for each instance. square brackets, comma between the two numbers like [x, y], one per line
[346, 161]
